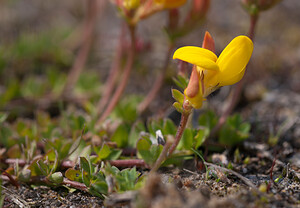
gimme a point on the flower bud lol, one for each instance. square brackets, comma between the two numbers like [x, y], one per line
[173, 19]
[255, 6]
[200, 7]
[193, 92]
[170, 4]
[193, 86]
[131, 4]
[208, 42]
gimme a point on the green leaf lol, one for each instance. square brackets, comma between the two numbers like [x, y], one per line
[120, 136]
[143, 148]
[181, 81]
[176, 160]
[178, 107]
[104, 152]
[3, 117]
[12, 90]
[143, 144]
[169, 127]
[186, 141]
[126, 109]
[147, 151]
[155, 151]
[56, 177]
[34, 168]
[73, 175]
[111, 170]
[54, 167]
[5, 134]
[80, 122]
[86, 178]
[32, 86]
[100, 186]
[154, 125]
[74, 146]
[234, 131]
[88, 82]
[64, 150]
[134, 134]
[85, 165]
[200, 137]
[86, 151]
[114, 154]
[178, 96]
[43, 167]
[209, 119]
[245, 128]
[24, 175]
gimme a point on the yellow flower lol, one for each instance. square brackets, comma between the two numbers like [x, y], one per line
[215, 72]
[131, 4]
[170, 4]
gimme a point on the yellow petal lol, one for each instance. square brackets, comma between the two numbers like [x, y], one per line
[233, 60]
[171, 4]
[198, 56]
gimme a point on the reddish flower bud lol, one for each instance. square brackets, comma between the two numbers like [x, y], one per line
[200, 7]
[208, 42]
[173, 18]
[255, 6]
[193, 86]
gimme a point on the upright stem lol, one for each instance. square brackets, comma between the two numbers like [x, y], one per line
[253, 21]
[182, 125]
[163, 155]
[130, 59]
[113, 74]
[171, 144]
[92, 11]
[158, 83]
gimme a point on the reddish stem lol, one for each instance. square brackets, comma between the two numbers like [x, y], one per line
[43, 179]
[130, 59]
[271, 175]
[158, 83]
[182, 125]
[86, 41]
[163, 155]
[113, 74]
[129, 163]
[253, 22]
[70, 164]
[11, 179]
[75, 184]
